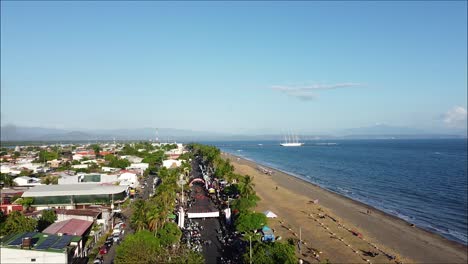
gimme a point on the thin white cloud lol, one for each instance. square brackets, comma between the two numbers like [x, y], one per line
[308, 92]
[456, 117]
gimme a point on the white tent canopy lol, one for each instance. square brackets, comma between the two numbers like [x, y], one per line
[270, 214]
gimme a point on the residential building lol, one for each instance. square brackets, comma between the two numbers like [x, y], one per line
[169, 164]
[33, 247]
[69, 196]
[24, 181]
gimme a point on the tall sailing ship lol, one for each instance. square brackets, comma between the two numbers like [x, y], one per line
[291, 141]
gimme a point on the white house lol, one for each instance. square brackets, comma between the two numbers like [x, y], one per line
[77, 157]
[138, 166]
[171, 163]
[129, 179]
[132, 159]
[89, 161]
[109, 169]
[26, 181]
[80, 166]
[5, 169]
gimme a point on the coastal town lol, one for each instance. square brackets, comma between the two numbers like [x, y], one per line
[104, 202]
[151, 202]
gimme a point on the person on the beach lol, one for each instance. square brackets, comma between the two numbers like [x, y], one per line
[276, 187]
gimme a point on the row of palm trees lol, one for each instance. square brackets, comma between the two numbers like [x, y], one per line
[152, 214]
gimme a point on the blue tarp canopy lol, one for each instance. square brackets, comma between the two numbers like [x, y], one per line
[268, 234]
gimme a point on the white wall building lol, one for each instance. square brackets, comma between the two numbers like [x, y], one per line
[80, 166]
[171, 163]
[77, 157]
[18, 255]
[138, 166]
[109, 169]
[132, 159]
[26, 181]
[129, 179]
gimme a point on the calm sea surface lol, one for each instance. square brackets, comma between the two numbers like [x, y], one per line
[421, 181]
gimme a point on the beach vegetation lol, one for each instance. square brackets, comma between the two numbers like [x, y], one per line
[244, 204]
[271, 253]
[250, 221]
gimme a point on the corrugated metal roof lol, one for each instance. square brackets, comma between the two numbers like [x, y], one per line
[73, 226]
[73, 189]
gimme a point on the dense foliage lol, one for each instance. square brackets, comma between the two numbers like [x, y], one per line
[47, 218]
[141, 247]
[249, 221]
[16, 222]
[7, 180]
[115, 162]
[271, 253]
[46, 156]
[169, 234]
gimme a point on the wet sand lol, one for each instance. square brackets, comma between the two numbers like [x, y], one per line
[327, 227]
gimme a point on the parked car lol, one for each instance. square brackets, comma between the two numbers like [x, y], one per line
[120, 226]
[103, 250]
[116, 237]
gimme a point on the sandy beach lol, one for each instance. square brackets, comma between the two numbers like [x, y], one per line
[339, 229]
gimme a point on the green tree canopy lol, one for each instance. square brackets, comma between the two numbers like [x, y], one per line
[46, 156]
[169, 234]
[47, 218]
[244, 203]
[96, 148]
[155, 158]
[141, 247]
[115, 162]
[26, 201]
[7, 180]
[271, 253]
[248, 221]
[16, 222]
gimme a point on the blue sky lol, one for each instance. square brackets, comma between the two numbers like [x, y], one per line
[310, 67]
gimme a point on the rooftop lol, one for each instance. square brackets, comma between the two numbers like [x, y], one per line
[72, 226]
[40, 241]
[73, 189]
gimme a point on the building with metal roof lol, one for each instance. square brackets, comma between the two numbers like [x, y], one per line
[33, 247]
[69, 195]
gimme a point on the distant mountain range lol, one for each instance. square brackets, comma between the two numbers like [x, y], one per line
[19, 133]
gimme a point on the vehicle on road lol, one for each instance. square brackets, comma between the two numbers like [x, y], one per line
[116, 237]
[103, 250]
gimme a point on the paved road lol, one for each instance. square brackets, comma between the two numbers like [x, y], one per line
[210, 227]
[109, 257]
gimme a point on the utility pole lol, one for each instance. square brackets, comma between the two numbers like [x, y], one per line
[300, 241]
[250, 239]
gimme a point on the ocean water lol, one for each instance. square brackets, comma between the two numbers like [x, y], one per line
[421, 181]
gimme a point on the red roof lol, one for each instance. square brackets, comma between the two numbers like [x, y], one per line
[82, 212]
[75, 227]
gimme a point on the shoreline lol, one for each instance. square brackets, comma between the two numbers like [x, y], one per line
[413, 243]
[360, 203]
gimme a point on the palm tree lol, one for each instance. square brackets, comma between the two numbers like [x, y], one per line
[152, 218]
[247, 186]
